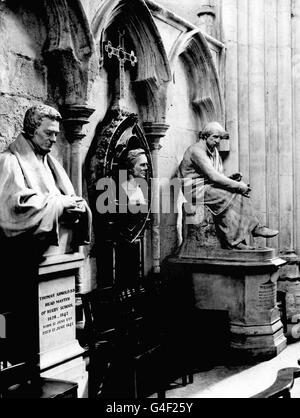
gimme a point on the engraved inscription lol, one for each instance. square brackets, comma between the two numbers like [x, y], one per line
[266, 296]
[57, 315]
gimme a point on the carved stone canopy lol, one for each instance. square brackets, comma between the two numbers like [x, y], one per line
[68, 50]
[206, 94]
[74, 118]
[150, 77]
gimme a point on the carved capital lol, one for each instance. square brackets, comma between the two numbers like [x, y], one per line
[207, 7]
[68, 49]
[207, 17]
[74, 118]
[154, 131]
[207, 10]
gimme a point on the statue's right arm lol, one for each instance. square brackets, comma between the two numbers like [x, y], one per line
[203, 164]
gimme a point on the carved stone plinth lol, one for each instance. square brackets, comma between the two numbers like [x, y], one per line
[199, 233]
[243, 283]
[60, 355]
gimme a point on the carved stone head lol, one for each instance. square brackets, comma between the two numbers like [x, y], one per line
[34, 116]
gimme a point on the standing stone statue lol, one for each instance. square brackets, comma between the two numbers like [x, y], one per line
[35, 191]
[227, 198]
[36, 199]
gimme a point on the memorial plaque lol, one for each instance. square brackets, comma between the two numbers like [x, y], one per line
[56, 312]
[60, 354]
[266, 296]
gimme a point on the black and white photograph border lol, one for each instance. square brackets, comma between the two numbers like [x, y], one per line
[149, 201]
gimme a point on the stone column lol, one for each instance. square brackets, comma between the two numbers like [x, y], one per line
[257, 111]
[271, 97]
[207, 17]
[296, 119]
[243, 88]
[154, 132]
[229, 12]
[286, 215]
[74, 118]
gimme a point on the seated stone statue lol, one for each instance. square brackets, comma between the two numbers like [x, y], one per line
[227, 198]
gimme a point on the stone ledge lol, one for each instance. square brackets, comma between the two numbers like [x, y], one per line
[263, 257]
[57, 263]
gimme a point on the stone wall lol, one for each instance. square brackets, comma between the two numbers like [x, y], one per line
[262, 103]
[262, 87]
[20, 81]
[23, 73]
[262, 99]
[189, 9]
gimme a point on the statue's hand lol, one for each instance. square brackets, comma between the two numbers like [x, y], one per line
[79, 208]
[69, 202]
[236, 176]
[244, 189]
[73, 209]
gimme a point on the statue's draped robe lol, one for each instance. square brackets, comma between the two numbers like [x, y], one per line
[32, 189]
[204, 183]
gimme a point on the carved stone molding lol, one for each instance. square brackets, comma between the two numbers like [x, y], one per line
[97, 158]
[207, 10]
[68, 50]
[74, 118]
[205, 88]
[113, 139]
[152, 70]
[154, 131]
[208, 17]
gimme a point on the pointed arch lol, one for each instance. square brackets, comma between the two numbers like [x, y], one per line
[68, 49]
[153, 70]
[205, 88]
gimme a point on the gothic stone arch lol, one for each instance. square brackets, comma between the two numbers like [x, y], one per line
[68, 50]
[153, 73]
[205, 89]
[148, 80]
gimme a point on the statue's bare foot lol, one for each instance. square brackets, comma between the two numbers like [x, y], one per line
[242, 246]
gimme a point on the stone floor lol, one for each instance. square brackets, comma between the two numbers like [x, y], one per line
[239, 381]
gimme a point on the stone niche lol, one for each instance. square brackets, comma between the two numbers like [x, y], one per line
[243, 283]
[59, 351]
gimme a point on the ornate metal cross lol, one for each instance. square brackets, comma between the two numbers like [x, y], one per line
[122, 56]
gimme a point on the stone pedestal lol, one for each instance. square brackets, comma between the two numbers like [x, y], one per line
[243, 283]
[289, 285]
[60, 355]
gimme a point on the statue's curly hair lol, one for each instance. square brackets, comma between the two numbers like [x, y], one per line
[34, 116]
[132, 155]
[210, 128]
